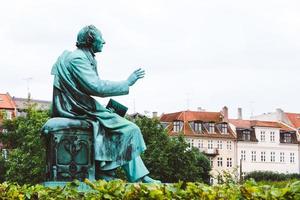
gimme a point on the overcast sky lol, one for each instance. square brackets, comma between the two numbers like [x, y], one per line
[201, 53]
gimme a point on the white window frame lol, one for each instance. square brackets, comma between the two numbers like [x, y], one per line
[263, 156]
[220, 162]
[210, 144]
[177, 126]
[229, 145]
[272, 136]
[229, 162]
[282, 157]
[272, 156]
[211, 127]
[197, 127]
[219, 144]
[292, 157]
[224, 128]
[262, 136]
[200, 144]
[253, 156]
[243, 155]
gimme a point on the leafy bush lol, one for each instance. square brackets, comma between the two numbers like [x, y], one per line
[169, 159]
[270, 176]
[26, 160]
[120, 190]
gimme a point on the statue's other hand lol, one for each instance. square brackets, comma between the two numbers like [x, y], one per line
[136, 75]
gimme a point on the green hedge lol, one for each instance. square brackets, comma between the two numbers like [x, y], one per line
[120, 190]
[270, 176]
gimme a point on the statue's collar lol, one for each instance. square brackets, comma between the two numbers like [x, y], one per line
[89, 54]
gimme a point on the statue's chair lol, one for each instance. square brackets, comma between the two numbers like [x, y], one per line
[70, 152]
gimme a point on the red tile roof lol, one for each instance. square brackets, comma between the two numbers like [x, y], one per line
[257, 123]
[188, 116]
[192, 116]
[240, 123]
[6, 102]
[294, 119]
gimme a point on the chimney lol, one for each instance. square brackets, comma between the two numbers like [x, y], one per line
[280, 114]
[154, 114]
[200, 109]
[225, 113]
[240, 115]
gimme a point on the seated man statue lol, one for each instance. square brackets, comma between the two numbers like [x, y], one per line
[76, 81]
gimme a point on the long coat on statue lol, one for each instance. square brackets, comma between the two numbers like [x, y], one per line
[116, 140]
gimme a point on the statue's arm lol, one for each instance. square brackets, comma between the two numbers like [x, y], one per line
[91, 83]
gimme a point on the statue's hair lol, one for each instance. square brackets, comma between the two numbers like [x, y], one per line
[86, 36]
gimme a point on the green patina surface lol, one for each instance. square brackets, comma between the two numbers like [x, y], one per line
[116, 141]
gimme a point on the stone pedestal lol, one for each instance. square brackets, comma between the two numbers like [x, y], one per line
[70, 153]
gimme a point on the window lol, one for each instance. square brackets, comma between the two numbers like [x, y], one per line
[282, 157]
[229, 145]
[287, 138]
[262, 136]
[4, 153]
[8, 115]
[4, 131]
[272, 158]
[211, 127]
[243, 154]
[200, 144]
[210, 144]
[272, 136]
[211, 161]
[246, 135]
[263, 156]
[219, 144]
[197, 127]
[220, 161]
[253, 156]
[229, 162]
[192, 142]
[163, 124]
[177, 126]
[224, 128]
[292, 157]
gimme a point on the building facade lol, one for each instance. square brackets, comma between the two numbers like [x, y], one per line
[7, 111]
[266, 146]
[207, 131]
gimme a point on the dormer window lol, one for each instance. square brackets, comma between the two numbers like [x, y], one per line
[246, 135]
[211, 127]
[287, 138]
[196, 126]
[164, 124]
[177, 126]
[224, 128]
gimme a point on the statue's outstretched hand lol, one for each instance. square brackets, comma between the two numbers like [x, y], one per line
[136, 75]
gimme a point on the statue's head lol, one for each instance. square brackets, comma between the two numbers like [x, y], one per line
[90, 37]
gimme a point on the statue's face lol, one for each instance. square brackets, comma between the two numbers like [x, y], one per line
[98, 42]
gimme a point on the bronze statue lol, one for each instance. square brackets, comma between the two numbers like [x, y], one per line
[117, 141]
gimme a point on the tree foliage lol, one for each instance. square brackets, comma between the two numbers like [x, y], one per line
[168, 159]
[26, 160]
[171, 159]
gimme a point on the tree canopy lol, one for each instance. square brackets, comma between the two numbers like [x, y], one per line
[26, 160]
[168, 159]
[171, 159]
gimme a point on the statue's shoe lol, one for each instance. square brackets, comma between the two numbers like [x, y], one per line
[148, 179]
[108, 175]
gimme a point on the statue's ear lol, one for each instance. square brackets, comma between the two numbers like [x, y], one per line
[89, 40]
